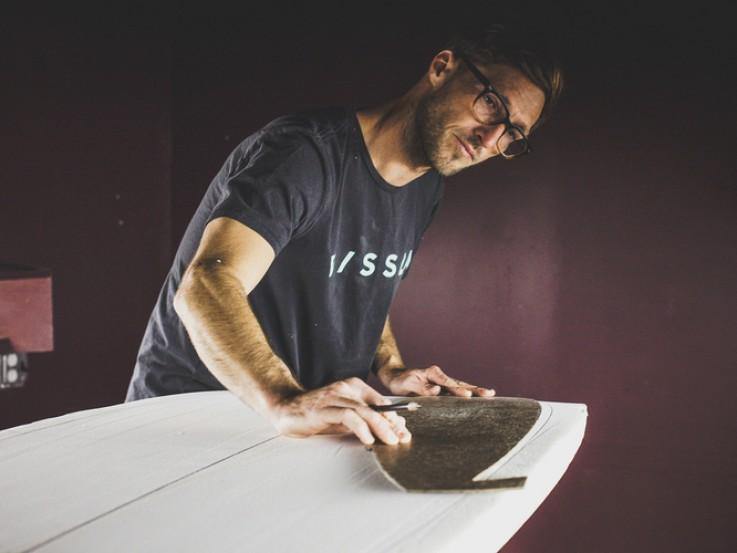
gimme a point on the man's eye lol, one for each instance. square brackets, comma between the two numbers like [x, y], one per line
[490, 100]
[492, 104]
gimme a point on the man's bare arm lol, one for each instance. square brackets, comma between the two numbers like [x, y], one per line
[213, 306]
[388, 357]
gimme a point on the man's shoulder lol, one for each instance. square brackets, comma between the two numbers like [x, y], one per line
[315, 138]
[312, 140]
[319, 125]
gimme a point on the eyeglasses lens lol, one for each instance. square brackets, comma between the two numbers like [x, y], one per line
[490, 109]
[512, 143]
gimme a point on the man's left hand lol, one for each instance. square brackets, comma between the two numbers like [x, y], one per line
[428, 382]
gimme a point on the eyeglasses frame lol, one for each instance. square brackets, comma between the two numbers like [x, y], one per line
[489, 88]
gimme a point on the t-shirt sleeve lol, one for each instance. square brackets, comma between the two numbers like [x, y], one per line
[278, 188]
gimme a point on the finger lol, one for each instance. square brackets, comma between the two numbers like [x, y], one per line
[399, 425]
[416, 382]
[397, 430]
[350, 419]
[400, 429]
[354, 393]
[484, 392]
[396, 421]
[366, 393]
[459, 391]
[436, 375]
[455, 387]
[476, 390]
[400, 422]
[458, 387]
[380, 426]
[391, 416]
[349, 393]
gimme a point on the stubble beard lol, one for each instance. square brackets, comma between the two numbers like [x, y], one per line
[427, 138]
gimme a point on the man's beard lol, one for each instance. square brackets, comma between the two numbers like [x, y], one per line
[425, 138]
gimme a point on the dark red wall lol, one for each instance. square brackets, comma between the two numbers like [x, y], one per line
[85, 190]
[601, 270]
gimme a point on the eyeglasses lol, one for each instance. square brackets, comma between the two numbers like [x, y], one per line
[490, 109]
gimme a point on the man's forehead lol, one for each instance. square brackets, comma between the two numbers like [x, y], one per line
[507, 78]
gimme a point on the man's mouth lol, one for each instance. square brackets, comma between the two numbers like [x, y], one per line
[466, 148]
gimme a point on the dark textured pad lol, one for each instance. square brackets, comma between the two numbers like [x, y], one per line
[454, 439]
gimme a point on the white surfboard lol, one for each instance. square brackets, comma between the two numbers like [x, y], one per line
[203, 472]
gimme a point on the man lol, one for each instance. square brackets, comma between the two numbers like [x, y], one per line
[281, 287]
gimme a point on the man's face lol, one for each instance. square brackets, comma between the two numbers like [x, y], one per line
[450, 135]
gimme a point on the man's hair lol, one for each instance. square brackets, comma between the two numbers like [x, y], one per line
[530, 51]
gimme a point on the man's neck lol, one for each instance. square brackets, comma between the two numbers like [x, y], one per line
[389, 133]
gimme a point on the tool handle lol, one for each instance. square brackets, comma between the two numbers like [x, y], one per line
[409, 406]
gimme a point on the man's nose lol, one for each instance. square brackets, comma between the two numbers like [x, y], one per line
[488, 135]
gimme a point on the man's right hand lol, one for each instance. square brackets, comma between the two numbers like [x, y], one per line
[340, 407]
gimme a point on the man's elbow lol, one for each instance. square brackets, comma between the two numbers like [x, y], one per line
[182, 297]
[180, 301]
[190, 288]
[202, 283]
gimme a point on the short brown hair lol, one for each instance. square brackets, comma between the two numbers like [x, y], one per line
[530, 51]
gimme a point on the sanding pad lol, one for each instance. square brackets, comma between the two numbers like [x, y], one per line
[453, 440]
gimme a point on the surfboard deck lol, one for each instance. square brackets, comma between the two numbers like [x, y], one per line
[203, 472]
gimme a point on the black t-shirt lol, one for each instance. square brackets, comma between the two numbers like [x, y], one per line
[343, 238]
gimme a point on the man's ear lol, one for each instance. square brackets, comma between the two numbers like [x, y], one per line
[442, 66]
